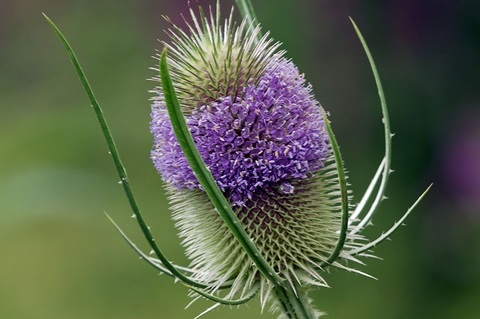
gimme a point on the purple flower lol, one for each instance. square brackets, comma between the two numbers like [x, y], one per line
[270, 135]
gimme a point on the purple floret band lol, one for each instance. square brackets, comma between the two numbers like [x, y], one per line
[270, 136]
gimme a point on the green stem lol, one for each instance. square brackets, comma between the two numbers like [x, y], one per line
[291, 304]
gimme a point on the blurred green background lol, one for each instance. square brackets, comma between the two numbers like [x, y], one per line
[61, 258]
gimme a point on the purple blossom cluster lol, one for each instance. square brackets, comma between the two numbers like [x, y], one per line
[270, 136]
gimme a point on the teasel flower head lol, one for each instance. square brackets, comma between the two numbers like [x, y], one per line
[265, 139]
[251, 167]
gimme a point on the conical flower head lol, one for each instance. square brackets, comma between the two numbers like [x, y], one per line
[261, 133]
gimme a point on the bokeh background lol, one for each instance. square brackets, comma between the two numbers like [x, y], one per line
[61, 258]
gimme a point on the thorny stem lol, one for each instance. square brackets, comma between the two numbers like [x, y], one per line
[291, 305]
[388, 137]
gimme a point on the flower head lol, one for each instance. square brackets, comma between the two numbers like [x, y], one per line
[269, 149]
[262, 135]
